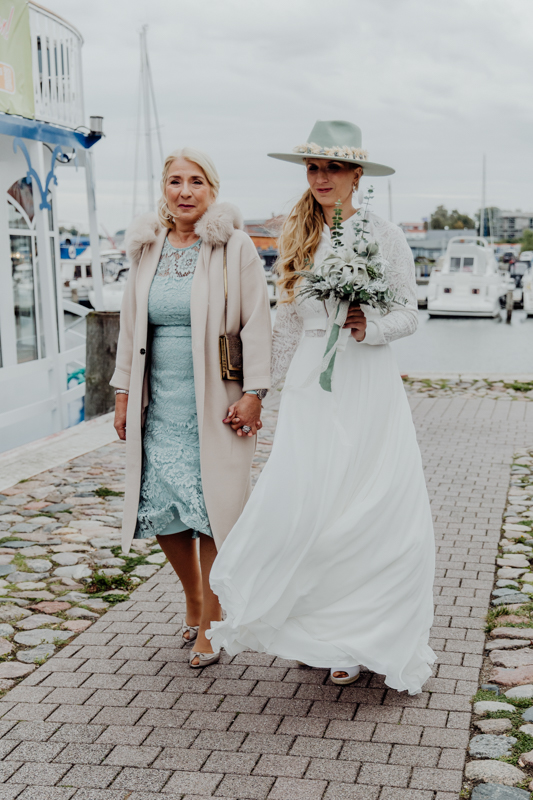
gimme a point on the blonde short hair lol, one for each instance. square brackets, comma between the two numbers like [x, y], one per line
[197, 157]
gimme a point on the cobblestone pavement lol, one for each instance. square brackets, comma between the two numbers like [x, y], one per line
[118, 714]
[504, 702]
[507, 388]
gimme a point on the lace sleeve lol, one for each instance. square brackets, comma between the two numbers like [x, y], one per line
[402, 320]
[285, 339]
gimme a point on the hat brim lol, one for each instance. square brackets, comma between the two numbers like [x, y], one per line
[369, 167]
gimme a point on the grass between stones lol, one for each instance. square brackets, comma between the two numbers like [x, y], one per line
[103, 491]
[525, 742]
[104, 583]
[500, 611]
[518, 386]
[20, 562]
[131, 561]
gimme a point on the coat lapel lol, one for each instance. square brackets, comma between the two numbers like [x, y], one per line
[199, 307]
[145, 275]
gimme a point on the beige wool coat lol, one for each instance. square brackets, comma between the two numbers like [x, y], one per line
[225, 458]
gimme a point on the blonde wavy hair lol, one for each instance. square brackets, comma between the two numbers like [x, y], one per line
[298, 242]
[201, 160]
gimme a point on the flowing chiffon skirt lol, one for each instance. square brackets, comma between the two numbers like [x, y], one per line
[332, 560]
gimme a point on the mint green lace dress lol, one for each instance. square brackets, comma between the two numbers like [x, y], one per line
[171, 498]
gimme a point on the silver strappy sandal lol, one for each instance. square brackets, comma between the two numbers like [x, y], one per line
[204, 659]
[192, 630]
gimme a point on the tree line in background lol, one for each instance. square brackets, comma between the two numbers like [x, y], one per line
[527, 240]
[441, 218]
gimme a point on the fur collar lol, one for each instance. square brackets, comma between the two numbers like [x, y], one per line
[215, 228]
[143, 231]
[218, 223]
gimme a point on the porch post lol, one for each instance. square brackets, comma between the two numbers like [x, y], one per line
[56, 265]
[47, 291]
[7, 309]
[93, 233]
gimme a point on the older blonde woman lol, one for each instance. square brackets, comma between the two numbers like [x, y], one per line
[187, 473]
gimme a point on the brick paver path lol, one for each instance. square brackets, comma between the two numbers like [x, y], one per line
[119, 714]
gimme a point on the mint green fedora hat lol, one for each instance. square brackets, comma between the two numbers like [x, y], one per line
[335, 140]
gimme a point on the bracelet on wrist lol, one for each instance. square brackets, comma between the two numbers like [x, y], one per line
[121, 391]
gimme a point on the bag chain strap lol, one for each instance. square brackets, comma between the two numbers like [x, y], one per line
[225, 291]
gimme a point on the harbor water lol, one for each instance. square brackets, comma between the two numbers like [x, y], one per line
[467, 345]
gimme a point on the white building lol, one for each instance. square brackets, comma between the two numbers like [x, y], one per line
[512, 224]
[42, 122]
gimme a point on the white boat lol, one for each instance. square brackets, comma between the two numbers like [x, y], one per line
[527, 287]
[469, 282]
[112, 294]
[78, 280]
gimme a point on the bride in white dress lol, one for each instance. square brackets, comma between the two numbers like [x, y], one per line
[332, 560]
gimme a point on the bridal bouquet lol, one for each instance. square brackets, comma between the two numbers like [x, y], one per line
[350, 274]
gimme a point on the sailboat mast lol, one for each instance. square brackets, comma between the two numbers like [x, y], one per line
[156, 117]
[137, 137]
[146, 105]
[482, 209]
[145, 90]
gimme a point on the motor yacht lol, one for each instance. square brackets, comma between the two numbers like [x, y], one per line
[78, 280]
[469, 282]
[112, 293]
[527, 288]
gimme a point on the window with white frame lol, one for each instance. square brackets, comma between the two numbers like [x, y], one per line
[463, 264]
[26, 294]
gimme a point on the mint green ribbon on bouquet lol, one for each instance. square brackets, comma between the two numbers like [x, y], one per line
[332, 347]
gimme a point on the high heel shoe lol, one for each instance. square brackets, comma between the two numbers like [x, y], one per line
[351, 672]
[204, 659]
[192, 630]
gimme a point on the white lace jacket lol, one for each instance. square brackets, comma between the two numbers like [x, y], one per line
[292, 319]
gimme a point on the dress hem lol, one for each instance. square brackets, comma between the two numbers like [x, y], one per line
[236, 638]
[164, 520]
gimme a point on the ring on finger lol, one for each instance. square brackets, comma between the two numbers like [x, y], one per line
[246, 429]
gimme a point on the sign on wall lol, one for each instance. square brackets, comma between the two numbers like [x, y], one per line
[16, 81]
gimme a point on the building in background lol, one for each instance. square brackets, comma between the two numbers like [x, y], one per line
[264, 234]
[414, 230]
[42, 131]
[511, 224]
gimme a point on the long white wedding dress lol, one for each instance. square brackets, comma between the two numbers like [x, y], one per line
[332, 560]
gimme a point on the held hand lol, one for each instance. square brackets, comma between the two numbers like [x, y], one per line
[356, 320]
[246, 411]
[121, 408]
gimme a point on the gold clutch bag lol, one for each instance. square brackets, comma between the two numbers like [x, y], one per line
[230, 346]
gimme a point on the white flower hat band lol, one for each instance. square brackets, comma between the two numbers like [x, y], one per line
[324, 142]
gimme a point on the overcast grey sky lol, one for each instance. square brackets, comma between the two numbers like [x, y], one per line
[433, 84]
